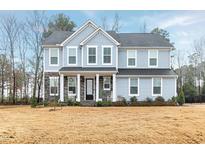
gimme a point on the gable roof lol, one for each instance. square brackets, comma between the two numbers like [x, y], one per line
[103, 32]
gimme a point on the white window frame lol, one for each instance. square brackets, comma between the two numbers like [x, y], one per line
[76, 55]
[106, 46]
[50, 78]
[104, 83]
[153, 87]
[132, 57]
[92, 46]
[137, 86]
[50, 57]
[151, 66]
[75, 85]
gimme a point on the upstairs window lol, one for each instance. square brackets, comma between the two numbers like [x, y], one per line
[72, 85]
[92, 52]
[53, 86]
[153, 58]
[107, 55]
[54, 56]
[131, 58]
[106, 83]
[72, 55]
[133, 86]
[157, 86]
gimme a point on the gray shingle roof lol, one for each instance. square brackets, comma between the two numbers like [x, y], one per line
[71, 69]
[57, 37]
[146, 72]
[125, 39]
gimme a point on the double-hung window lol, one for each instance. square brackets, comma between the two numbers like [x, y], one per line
[153, 58]
[107, 55]
[106, 83]
[131, 58]
[133, 86]
[92, 55]
[53, 56]
[53, 86]
[72, 55]
[156, 86]
[72, 85]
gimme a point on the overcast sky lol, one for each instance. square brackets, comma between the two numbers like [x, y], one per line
[184, 26]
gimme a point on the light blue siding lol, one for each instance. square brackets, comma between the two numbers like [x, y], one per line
[99, 40]
[46, 62]
[145, 88]
[142, 58]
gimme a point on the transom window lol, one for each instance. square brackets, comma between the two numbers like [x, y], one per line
[92, 52]
[71, 85]
[54, 53]
[157, 86]
[53, 86]
[106, 83]
[153, 58]
[131, 58]
[72, 55]
[133, 86]
[107, 55]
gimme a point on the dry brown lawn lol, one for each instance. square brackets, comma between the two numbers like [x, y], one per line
[22, 124]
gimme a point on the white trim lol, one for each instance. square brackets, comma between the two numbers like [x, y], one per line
[153, 87]
[150, 66]
[117, 58]
[148, 76]
[132, 57]
[97, 87]
[86, 24]
[140, 47]
[95, 32]
[50, 57]
[76, 55]
[82, 56]
[114, 96]
[96, 61]
[104, 83]
[175, 85]
[107, 46]
[51, 70]
[50, 78]
[137, 86]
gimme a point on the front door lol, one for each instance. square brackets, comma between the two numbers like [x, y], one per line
[89, 89]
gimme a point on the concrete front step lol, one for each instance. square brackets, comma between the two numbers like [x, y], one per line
[88, 103]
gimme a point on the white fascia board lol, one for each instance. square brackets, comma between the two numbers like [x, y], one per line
[79, 30]
[95, 32]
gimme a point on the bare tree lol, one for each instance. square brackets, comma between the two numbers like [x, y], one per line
[10, 29]
[143, 29]
[104, 23]
[116, 23]
[36, 26]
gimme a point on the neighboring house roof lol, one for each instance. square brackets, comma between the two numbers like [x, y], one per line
[76, 69]
[57, 37]
[146, 72]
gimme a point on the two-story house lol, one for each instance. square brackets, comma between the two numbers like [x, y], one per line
[94, 64]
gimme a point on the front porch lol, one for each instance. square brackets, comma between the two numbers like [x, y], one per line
[88, 87]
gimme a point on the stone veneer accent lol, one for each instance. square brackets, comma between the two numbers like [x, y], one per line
[82, 80]
[47, 86]
[104, 94]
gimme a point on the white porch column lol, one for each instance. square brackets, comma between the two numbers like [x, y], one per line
[61, 87]
[114, 87]
[78, 88]
[97, 87]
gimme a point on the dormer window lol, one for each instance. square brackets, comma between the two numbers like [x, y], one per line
[131, 58]
[153, 58]
[54, 56]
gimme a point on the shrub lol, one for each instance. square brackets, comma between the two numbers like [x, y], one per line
[133, 99]
[104, 103]
[159, 99]
[119, 103]
[149, 100]
[181, 98]
[76, 103]
[69, 101]
[33, 102]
